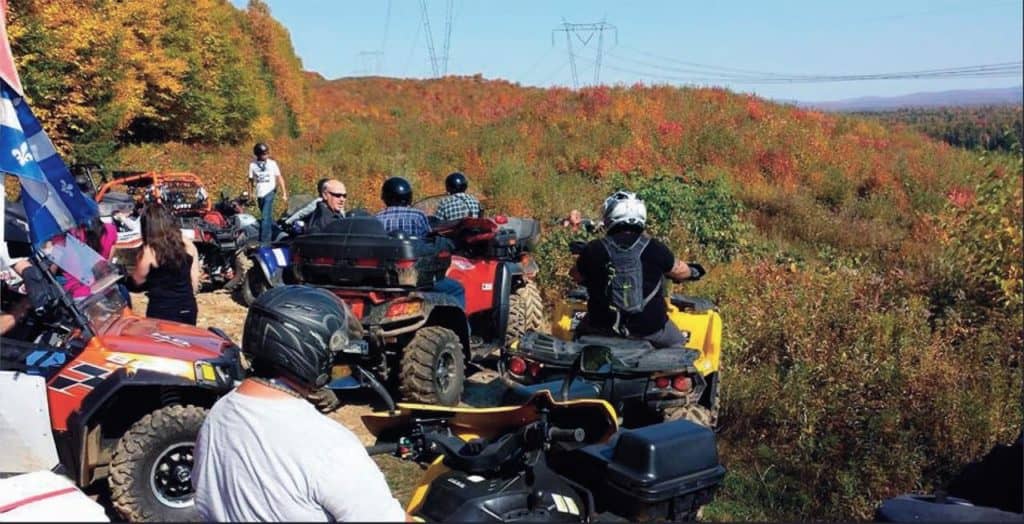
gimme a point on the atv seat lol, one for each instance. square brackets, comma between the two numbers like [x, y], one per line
[357, 226]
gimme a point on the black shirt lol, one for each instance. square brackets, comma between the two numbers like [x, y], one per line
[656, 260]
[322, 217]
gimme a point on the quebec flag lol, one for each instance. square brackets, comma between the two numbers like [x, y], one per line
[53, 202]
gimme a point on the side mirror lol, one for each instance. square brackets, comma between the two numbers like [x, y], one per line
[576, 246]
[596, 360]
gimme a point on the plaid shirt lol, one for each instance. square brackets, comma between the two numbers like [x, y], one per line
[458, 206]
[408, 220]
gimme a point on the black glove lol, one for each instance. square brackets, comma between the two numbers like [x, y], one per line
[40, 292]
[696, 271]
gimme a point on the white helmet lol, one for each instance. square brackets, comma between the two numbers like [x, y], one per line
[624, 207]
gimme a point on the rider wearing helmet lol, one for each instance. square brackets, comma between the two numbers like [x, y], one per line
[398, 216]
[264, 179]
[264, 453]
[623, 273]
[458, 204]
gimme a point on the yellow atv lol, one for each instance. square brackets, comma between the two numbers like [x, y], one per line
[549, 461]
[691, 393]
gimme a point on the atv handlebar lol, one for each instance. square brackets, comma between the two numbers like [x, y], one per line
[386, 448]
[566, 435]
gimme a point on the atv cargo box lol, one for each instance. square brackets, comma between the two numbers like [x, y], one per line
[357, 252]
[664, 471]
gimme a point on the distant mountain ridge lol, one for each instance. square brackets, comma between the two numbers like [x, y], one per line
[960, 97]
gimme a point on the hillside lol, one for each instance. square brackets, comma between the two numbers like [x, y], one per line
[869, 277]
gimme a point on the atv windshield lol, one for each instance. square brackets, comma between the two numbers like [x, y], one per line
[105, 302]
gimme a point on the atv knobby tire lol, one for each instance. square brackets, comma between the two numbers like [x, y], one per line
[157, 447]
[432, 369]
[324, 399]
[525, 312]
[252, 283]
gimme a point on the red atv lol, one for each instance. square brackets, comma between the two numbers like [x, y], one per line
[415, 339]
[106, 396]
[491, 259]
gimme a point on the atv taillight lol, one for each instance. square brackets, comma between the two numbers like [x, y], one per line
[322, 261]
[366, 262]
[681, 383]
[517, 366]
[404, 309]
[405, 264]
[662, 382]
[534, 369]
[501, 219]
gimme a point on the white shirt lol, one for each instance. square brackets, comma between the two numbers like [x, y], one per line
[264, 173]
[279, 460]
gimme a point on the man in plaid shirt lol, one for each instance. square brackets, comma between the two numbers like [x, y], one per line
[398, 216]
[458, 204]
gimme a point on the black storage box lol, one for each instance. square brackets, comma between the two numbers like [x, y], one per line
[664, 471]
[357, 252]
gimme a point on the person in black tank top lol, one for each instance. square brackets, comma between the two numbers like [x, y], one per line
[167, 268]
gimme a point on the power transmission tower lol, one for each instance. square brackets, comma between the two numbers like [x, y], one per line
[369, 60]
[439, 63]
[585, 33]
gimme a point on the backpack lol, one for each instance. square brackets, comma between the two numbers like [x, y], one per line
[625, 290]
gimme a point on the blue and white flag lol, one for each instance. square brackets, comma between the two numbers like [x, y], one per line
[53, 202]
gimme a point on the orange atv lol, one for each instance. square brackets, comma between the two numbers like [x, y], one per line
[104, 395]
[220, 231]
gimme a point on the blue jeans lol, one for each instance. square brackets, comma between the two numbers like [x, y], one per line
[452, 288]
[266, 203]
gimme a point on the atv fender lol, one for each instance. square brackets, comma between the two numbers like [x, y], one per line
[503, 297]
[271, 261]
[73, 446]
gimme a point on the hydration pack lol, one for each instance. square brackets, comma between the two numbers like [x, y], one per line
[625, 289]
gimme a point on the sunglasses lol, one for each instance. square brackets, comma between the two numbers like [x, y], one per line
[337, 195]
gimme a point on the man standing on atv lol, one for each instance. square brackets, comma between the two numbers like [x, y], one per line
[264, 453]
[399, 217]
[623, 273]
[458, 204]
[331, 207]
[264, 177]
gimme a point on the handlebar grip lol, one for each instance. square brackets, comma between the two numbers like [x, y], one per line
[382, 449]
[567, 435]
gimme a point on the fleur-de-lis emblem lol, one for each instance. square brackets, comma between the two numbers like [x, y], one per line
[21, 154]
[67, 188]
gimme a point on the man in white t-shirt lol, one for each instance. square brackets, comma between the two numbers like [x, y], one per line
[264, 177]
[264, 454]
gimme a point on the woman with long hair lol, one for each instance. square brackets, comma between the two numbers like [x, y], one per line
[167, 267]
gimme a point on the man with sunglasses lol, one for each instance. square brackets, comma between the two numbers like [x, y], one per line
[331, 208]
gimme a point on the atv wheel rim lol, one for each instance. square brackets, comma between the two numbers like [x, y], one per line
[171, 477]
[444, 373]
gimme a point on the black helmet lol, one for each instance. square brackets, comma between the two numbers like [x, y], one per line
[456, 183]
[293, 331]
[260, 149]
[396, 191]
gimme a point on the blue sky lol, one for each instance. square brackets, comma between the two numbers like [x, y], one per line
[666, 41]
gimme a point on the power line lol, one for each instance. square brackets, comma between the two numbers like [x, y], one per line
[997, 70]
[430, 37]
